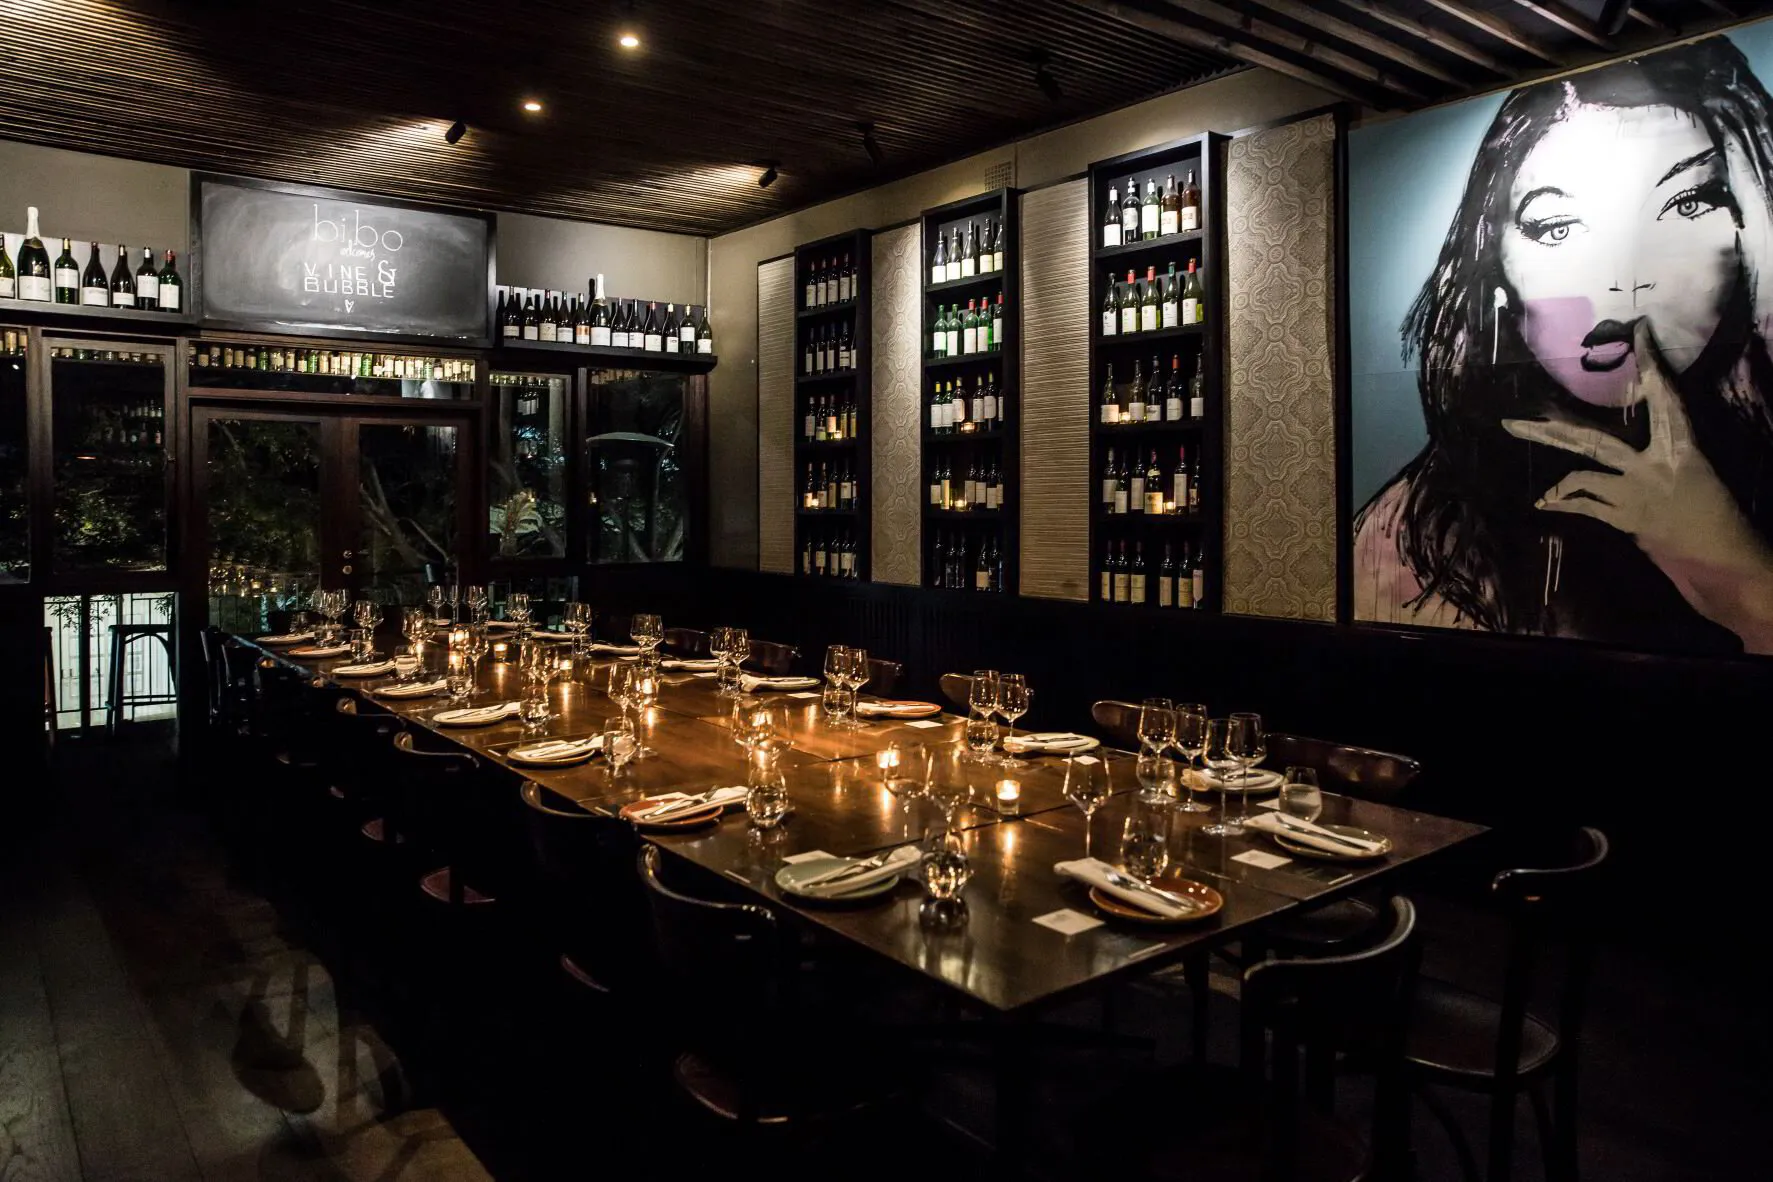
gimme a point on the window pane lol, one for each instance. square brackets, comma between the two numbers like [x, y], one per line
[109, 429]
[638, 495]
[15, 531]
[263, 505]
[407, 485]
[527, 496]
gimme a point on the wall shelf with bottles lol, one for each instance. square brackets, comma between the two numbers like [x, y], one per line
[606, 331]
[971, 394]
[272, 365]
[832, 421]
[512, 355]
[1156, 364]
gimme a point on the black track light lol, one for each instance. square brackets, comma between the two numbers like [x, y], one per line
[1043, 76]
[769, 175]
[870, 144]
[456, 131]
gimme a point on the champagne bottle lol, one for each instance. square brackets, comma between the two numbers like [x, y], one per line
[1149, 212]
[147, 281]
[171, 287]
[1110, 404]
[600, 320]
[1129, 212]
[8, 282]
[33, 263]
[67, 276]
[95, 289]
[1110, 308]
[1190, 212]
[1169, 218]
[1111, 223]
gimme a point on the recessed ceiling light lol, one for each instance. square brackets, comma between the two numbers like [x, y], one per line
[628, 41]
[531, 105]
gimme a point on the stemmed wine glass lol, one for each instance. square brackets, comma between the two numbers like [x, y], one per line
[647, 630]
[618, 743]
[537, 662]
[1087, 786]
[368, 614]
[1250, 743]
[1157, 724]
[1013, 697]
[858, 675]
[720, 643]
[946, 782]
[415, 625]
[473, 646]
[436, 597]
[476, 599]
[738, 651]
[517, 609]
[1229, 752]
[837, 667]
[578, 621]
[983, 696]
[1190, 741]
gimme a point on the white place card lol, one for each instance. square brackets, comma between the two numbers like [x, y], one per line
[1261, 859]
[1067, 922]
[1086, 760]
[802, 694]
[924, 724]
[809, 856]
[1269, 804]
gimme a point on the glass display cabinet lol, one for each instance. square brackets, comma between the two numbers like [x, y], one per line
[527, 458]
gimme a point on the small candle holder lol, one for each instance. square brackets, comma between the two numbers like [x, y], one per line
[1009, 797]
[1169, 507]
[501, 651]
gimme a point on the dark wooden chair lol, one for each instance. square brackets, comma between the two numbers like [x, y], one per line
[958, 689]
[1119, 720]
[591, 905]
[51, 705]
[884, 676]
[119, 696]
[442, 810]
[772, 1068]
[1498, 1046]
[686, 642]
[772, 659]
[1299, 1019]
[614, 629]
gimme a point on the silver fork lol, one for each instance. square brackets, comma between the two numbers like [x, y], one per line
[841, 872]
[1131, 883]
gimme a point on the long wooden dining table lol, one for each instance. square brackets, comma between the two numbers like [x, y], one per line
[1007, 951]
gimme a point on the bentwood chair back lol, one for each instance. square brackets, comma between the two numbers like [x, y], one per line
[769, 657]
[958, 689]
[686, 642]
[1497, 1045]
[1119, 720]
[592, 904]
[1352, 771]
[446, 815]
[884, 676]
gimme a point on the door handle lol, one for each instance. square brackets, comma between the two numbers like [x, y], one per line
[346, 554]
[346, 569]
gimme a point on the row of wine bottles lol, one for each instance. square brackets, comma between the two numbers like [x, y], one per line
[829, 350]
[341, 363]
[13, 341]
[110, 356]
[957, 567]
[1131, 218]
[538, 314]
[1124, 578]
[35, 278]
[1132, 487]
[1153, 401]
[833, 557]
[979, 489]
[830, 282]
[1174, 300]
[979, 329]
[139, 424]
[977, 252]
[954, 412]
[830, 419]
[834, 486]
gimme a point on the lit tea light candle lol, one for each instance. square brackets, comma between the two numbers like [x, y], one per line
[1009, 795]
[499, 650]
[1169, 506]
[961, 506]
[887, 761]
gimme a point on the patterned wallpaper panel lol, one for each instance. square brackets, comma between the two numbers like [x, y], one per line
[1280, 447]
[897, 395]
[775, 416]
[1055, 392]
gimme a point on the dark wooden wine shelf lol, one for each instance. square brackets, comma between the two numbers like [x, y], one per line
[1142, 246]
[1156, 334]
[813, 379]
[1178, 427]
[932, 439]
[530, 354]
[825, 444]
[962, 359]
[947, 285]
[81, 313]
[825, 310]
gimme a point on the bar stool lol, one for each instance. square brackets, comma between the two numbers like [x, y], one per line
[116, 697]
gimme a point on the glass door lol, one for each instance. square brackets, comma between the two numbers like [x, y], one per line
[408, 511]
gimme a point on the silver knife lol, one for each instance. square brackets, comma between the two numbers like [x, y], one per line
[1291, 826]
[1128, 881]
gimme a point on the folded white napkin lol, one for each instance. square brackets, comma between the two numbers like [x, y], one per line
[287, 638]
[476, 715]
[1095, 872]
[750, 683]
[337, 650]
[505, 624]
[672, 804]
[883, 709]
[551, 635]
[626, 650]
[1315, 836]
[556, 749]
[901, 860]
[693, 664]
[1050, 741]
[368, 669]
[1259, 779]
[420, 689]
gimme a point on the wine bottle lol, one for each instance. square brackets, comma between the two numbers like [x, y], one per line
[1134, 412]
[8, 285]
[988, 401]
[503, 309]
[704, 334]
[1173, 391]
[1123, 577]
[1197, 580]
[1169, 310]
[997, 248]
[1148, 302]
[532, 318]
[952, 347]
[95, 289]
[67, 276]
[852, 423]
[600, 326]
[1194, 305]
[1110, 411]
[1108, 483]
[1129, 305]
[1154, 395]
[668, 336]
[957, 408]
[1154, 487]
[982, 571]
[819, 553]
[969, 252]
[1135, 484]
[1197, 394]
[1184, 583]
[1169, 217]
[952, 270]
[969, 329]
[1111, 223]
[997, 324]
[1105, 591]
[1190, 212]
[1179, 481]
[33, 263]
[147, 281]
[809, 293]
[548, 318]
[581, 321]
[1194, 485]
[1123, 489]
[122, 282]
[1110, 308]
[170, 290]
[654, 331]
[1166, 578]
[1136, 579]
[686, 330]
[1149, 212]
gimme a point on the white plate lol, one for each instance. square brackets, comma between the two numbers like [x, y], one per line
[466, 716]
[1076, 745]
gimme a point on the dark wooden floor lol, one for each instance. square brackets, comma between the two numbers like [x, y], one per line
[161, 1020]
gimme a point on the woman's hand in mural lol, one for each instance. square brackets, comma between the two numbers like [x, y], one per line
[1669, 498]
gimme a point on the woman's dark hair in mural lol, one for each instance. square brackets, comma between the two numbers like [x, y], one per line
[1467, 527]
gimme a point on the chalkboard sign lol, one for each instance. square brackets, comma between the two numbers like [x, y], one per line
[285, 258]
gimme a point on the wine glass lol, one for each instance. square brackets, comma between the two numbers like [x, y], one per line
[738, 651]
[477, 601]
[837, 667]
[473, 646]
[415, 625]
[1250, 743]
[946, 781]
[1222, 755]
[1157, 775]
[739, 718]
[1300, 795]
[646, 630]
[719, 644]
[517, 610]
[578, 621]
[763, 731]
[1013, 697]
[861, 671]
[1087, 786]
[618, 743]
[452, 594]
[436, 598]
[1157, 724]
[983, 695]
[1145, 840]
[1190, 741]
[368, 614]
[981, 738]
[766, 801]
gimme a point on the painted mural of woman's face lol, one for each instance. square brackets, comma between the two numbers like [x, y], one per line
[1618, 214]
